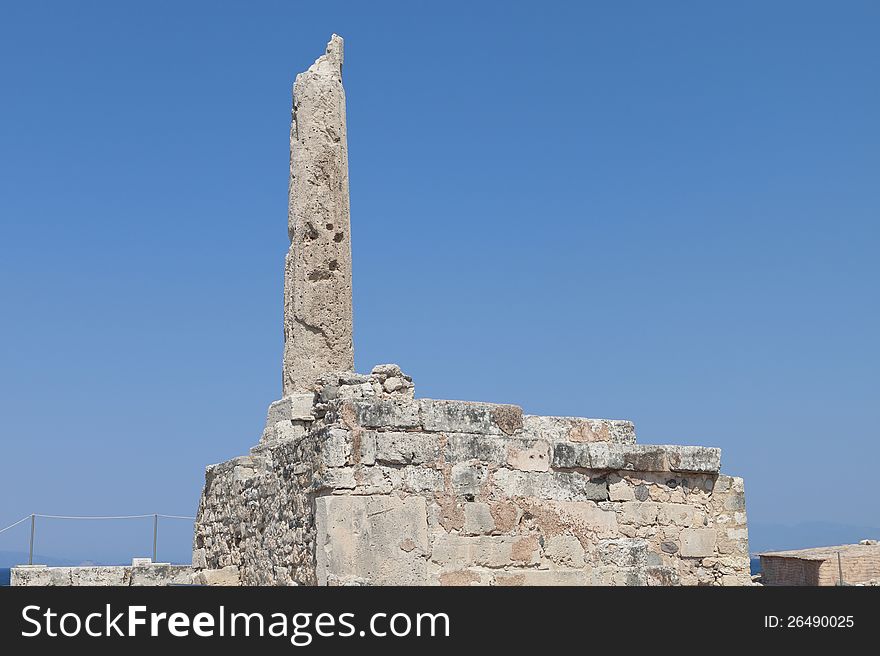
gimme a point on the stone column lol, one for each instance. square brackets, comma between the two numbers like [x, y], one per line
[317, 271]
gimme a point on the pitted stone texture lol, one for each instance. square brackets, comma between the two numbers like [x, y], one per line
[586, 520]
[156, 574]
[579, 429]
[402, 448]
[624, 552]
[292, 407]
[226, 576]
[560, 486]
[636, 457]
[698, 542]
[289, 418]
[531, 457]
[470, 417]
[392, 380]
[380, 539]
[317, 271]
[556, 578]
[565, 550]
[463, 446]
[381, 414]
[256, 513]
[385, 382]
[456, 552]
[478, 519]
[284, 430]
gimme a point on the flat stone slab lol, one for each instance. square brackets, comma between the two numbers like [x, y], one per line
[579, 429]
[636, 457]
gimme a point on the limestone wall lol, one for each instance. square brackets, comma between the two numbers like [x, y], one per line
[97, 575]
[361, 483]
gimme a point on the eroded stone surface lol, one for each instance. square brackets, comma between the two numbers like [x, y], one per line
[317, 271]
[355, 481]
[381, 488]
[97, 575]
[377, 539]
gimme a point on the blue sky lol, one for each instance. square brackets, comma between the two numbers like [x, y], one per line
[666, 212]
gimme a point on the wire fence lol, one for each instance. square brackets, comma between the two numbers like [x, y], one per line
[33, 520]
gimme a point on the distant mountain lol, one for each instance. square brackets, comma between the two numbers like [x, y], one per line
[13, 558]
[768, 536]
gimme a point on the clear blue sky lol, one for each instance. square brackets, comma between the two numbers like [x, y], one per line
[666, 212]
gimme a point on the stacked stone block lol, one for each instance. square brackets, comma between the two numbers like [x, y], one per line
[361, 483]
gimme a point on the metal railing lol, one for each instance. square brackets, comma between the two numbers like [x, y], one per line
[33, 518]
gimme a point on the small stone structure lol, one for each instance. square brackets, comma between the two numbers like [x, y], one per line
[355, 481]
[859, 564]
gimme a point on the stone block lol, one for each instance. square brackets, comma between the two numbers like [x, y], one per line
[406, 448]
[99, 576]
[225, 576]
[457, 552]
[463, 577]
[297, 406]
[560, 578]
[487, 448]
[386, 370]
[456, 416]
[386, 414]
[508, 418]
[468, 478]
[529, 456]
[285, 429]
[678, 514]
[336, 448]
[564, 550]
[161, 575]
[697, 542]
[199, 558]
[620, 490]
[335, 478]
[478, 519]
[579, 429]
[662, 576]
[470, 417]
[561, 486]
[40, 575]
[624, 552]
[635, 457]
[381, 540]
[638, 513]
[570, 456]
[693, 458]
[585, 519]
[420, 480]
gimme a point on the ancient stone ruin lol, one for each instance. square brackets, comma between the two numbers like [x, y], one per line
[355, 481]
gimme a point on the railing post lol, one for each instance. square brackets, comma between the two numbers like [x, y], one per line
[155, 534]
[31, 549]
